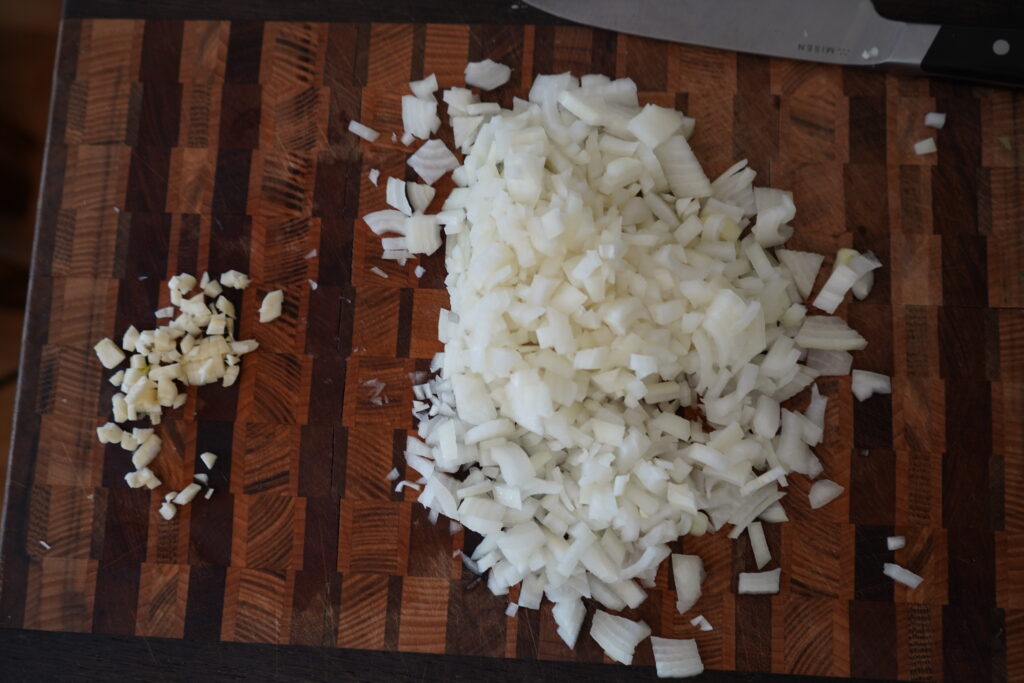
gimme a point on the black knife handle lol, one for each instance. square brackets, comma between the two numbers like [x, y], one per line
[994, 55]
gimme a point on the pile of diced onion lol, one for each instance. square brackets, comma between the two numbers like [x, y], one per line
[196, 347]
[624, 332]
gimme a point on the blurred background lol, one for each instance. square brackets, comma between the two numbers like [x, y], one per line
[28, 40]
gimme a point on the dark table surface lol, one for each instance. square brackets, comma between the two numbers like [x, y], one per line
[35, 654]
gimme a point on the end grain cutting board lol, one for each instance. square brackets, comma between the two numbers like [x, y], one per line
[204, 145]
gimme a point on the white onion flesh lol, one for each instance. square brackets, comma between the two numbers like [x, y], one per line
[676, 658]
[487, 75]
[925, 146]
[901, 575]
[599, 283]
[934, 119]
[759, 583]
[865, 384]
[895, 542]
[618, 636]
[365, 132]
[823, 492]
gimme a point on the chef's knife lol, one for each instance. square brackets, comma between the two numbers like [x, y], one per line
[848, 32]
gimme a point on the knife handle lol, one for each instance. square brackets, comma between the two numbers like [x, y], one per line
[993, 55]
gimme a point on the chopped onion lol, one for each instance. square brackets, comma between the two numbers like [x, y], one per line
[377, 271]
[168, 510]
[618, 636]
[702, 623]
[829, 363]
[419, 116]
[110, 356]
[374, 176]
[425, 88]
[926, 146]
[569, 616]
[270, 308]
[759, 544]
[895, 542]
[187, 494]
[865, 384]
[829, 334]
[234, 279]
[365, 132]
[688, 572]
[759, 583]
[904, 576]
[842, 280]
[432, 160]
[934, 119]
[676, 658]
[803, 266]
[511, 610]
[419, 196]
[419, 271]
[396, 197]
[487, 75]
[823, 492]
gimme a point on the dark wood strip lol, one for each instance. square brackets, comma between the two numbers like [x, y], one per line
[326, 391]
[403, 11]
[315, 608]
[108, 657]
[872, 423]
[869, 583]
[124, 550]
[392, 618]
[873, 633]
[161, 51]
[955, 179]
[968, 632]
[404, 323]
[245, 44]
[211, 522]
[205, 599]
[753, 633]
[478, 612]
[338, 461]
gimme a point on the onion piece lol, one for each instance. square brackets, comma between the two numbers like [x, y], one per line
[688, 573]
[702, 623]
[934, 119]
[925, 146]
[842, 279]
[803, 266]
[823, 492]
[374, 176]
[365, 132]
[829, 363]
[829, 334]
[487, 74]
[904, 576]
[618, 636]
[895, 542]
[419, 116]
[568, 617]
[759, 545]
[676, 658]
[759, 583]
[424, 88]
[109, 354]
[270, 308]
[432, 160]
[865, 384]
[396, 197]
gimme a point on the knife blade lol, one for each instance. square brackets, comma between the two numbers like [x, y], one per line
[847, 32]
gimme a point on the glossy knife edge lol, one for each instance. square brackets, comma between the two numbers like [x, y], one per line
[849, 32]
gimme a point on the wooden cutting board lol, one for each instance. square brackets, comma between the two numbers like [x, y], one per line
[191, 146]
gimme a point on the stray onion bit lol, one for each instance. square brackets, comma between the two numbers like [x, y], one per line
[374, 176]
[865, 384]
[822, 493]
[365, 132]
[676, 658]
[209, 459]
[487, 75]
[270, 308]
[926, 146]
[702, 623]
[934, 119]
[901, 575]
[618, 636]
[759, 583]
[108, 353]
[895, 542]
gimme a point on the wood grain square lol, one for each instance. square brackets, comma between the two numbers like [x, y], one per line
[812, 127]
[919, 638]
[811, 546]
[699, 69]
[268, 532]
[374, 537]
[69, 454]
[918, 490]
[915, 263]
[278, 383]
[375, 326]
[293, 56]
[426, 305]
[388, 408]
[472, 611]
[65, 519]
[918, 414]
[1011, 570]
[204, 47]
[562, 48]
[807, 625]
[445, 53]
[818, 193]
[925, 554]
[163, 592]
[257, 606]
[284, 181]
[909, 127]
[60, 594]
[363, 611]
[367, 463]
[1006, 188]
[1011, 345]
[269, 454]
[1006, 271]
[424, 614]
[1002, 133]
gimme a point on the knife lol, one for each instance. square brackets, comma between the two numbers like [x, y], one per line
[847, 32]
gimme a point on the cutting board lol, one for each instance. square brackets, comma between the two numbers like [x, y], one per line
[194, 146]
